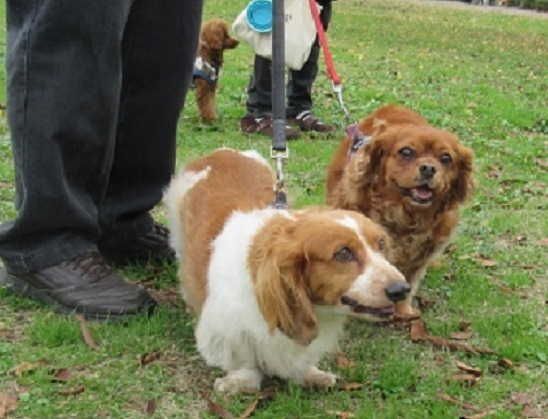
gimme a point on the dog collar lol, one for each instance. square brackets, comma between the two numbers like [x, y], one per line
[205, 70]
[358, 140]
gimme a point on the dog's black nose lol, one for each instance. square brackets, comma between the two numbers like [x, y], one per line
[427, 170]
[398, 291]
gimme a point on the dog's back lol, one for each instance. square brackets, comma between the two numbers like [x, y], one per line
[218, 184]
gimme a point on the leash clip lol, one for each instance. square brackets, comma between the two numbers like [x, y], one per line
[280, 156]
[337, 89]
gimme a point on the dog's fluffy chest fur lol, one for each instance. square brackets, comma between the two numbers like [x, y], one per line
[416, 238]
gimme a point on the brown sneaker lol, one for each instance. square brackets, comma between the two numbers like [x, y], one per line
[249, 125]
[307, 122]
[152, 246]
[84, 284]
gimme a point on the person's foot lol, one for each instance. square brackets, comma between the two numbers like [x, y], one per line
[151, 246]
[307, 122]
[84, 284]
[249, 125]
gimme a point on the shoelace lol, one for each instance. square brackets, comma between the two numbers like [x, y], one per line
[91, 264]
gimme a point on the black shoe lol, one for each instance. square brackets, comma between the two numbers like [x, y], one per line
[151, 246]
[84, 284]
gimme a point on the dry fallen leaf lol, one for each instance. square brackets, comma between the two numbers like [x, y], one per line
[61, 375]
[250, 409]
[480, 415]
[418, 330]
[350, 386]
[464, 325]
[542, 163]
[466, 368]
[467, 380]
[72, 391]
[462, 335]
[543, 242]
[27, 367]
[8, 403]
[343, 362]
[452, 346]
[488, 263]
[521, 398]
[149, 357]
[216, 408]
[460, 403]
[506, 363]
[151, 407]
[531, 413]
[88, 339]
[341, 415]
[507, 290]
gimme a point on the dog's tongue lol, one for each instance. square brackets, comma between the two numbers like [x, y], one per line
[421, 192]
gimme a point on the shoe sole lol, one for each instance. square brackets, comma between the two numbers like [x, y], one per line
[19, 287]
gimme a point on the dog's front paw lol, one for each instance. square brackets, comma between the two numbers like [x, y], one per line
[319, 379]
[239, 381]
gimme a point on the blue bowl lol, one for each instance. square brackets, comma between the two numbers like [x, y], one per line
[259, 15]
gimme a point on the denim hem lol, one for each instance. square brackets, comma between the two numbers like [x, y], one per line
[129, 234]
[56, 251]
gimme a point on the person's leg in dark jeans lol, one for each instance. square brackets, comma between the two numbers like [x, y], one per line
[300, 82]
[259, 89]
[65, 65]
[258, 117]
[159, 43]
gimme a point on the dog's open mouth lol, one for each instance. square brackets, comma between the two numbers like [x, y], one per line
[358, 308]
[421, 194]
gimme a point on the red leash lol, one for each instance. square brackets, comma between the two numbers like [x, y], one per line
[323, 42]
[352, 131]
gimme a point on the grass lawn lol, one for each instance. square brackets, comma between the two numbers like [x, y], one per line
[483, 76]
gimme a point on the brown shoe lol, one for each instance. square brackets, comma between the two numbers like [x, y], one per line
[249, 125]
[307, 122]
[152, 246]
[84, 284]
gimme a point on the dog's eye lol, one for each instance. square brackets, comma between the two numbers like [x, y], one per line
[380, 244]
[344, 255]
[406, 153]
[445, 158]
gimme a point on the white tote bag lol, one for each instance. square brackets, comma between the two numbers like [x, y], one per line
[300, 33]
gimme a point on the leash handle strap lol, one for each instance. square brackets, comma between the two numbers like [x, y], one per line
[279, 142]
[323, 42]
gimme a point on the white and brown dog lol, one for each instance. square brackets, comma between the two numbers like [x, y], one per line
[272, 287]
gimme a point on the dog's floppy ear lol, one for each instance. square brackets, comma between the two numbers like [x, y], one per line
[464, 185]
[368, 162]
[277, 266]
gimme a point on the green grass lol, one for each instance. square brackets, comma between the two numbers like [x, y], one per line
[480, 75]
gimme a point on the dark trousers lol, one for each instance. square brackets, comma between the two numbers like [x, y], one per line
[95, 89]
[299, 84]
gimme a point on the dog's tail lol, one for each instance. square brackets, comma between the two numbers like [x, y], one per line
[174, 197]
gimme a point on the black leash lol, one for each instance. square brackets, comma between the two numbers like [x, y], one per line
[279, 150]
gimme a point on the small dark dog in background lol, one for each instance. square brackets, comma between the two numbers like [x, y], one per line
[214, 39]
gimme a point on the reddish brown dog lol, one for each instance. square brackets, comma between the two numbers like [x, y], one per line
[214, 40]
[410, 178]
